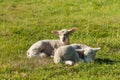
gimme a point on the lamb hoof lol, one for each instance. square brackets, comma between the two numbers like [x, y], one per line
[51, 56]
[42, 55]
[69, 63]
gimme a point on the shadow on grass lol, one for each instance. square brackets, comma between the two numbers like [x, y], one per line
[106, 61]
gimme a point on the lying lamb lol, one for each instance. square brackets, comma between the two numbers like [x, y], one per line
[45, 48]
[73, 53]
[66, 54]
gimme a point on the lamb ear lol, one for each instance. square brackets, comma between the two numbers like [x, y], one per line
[55, 32]
[79, 50]
[96, 49]
[72, 30]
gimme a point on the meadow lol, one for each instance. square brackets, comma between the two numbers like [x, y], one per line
[23, 22]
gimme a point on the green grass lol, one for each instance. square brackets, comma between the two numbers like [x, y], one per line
[23, 22]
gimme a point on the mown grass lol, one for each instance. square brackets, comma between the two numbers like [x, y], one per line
[23, 22]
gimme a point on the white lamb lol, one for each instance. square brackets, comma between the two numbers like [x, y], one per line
[66, 54]
[70, 54]
[45, 48]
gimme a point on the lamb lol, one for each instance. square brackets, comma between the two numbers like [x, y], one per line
[45, 48]
[66, 54]
[85, 52]
[71, 54]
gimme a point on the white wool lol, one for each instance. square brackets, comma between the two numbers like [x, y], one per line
[66, 54]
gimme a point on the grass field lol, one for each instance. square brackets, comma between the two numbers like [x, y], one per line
[23, 22]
